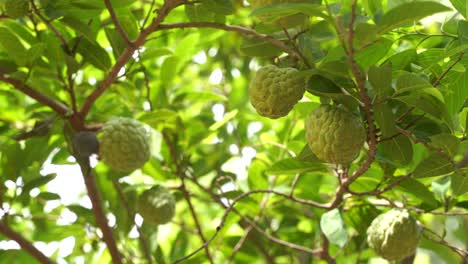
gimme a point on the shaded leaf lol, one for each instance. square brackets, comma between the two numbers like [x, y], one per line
[434, 165]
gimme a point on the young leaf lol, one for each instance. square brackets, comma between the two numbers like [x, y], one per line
[333, 227]
[407, 13]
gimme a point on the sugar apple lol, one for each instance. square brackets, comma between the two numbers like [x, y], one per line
[287, 21]
[16, 8]
[334, 135]
[274, 91]
[156, 205]
[124, 144]
[394, 235]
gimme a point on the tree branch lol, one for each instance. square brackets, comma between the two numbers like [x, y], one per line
[49, 24]
[99, 215]
[57, 106]
[127, 55]
[241, 30]
[25, 244]
[117, 24]
[131, 214]
[181, 174]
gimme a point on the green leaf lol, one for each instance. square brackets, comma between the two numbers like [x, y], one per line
[259, 48]
[381, 80]
[447, 142]
[116, 41]
[37, 182]
[397, 150]
[48, 196]
[277, 10]
[169, 69]
[456, 94]
[460, 6]
[411, 81]
[333, 227]
[407, 13]
[307, 155]
[12, 45]
[293, 166]
[373, 53]
[223, 7]
[94, 54]
[428, 101]
[419, 190]
[385, 119]
[434, 165]
[459, 182]
[160, 118]
[224, 120]
[402, 60]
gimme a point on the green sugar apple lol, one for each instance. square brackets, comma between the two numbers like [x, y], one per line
[156, 205]
[334, 135]
[394, 235]
[287, 21]
[274, 91]
[124, 144]
[16, 8]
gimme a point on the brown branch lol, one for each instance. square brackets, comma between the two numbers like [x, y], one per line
[52, 27]
[386, 189]
[251, 223]
[440, 240]
[442, 76]
[371, 135]
[25, 244]
[117, 24]
[182, 176]
[100, 216]
[131, 215]
[241, 30]
[254, 237]
[57, 106]
[127, 55]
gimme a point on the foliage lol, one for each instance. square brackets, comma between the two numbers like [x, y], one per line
[248, 189]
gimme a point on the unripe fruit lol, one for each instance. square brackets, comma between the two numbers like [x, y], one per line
[287, 21]
[156, 205]
[274, 91]
[394, 235]
[124, 144]
[85, 143]
[16, 8]
[334, 135]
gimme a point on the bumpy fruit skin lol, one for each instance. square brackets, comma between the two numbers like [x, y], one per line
[394, 235]
[124, 144]
[334, 135]
[16, 8]
[274, 91]
[156, 205]
[288, 21]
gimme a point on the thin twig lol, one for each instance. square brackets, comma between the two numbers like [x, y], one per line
[442, 76]
[51, 26]
[127, 55]
[182, 176]
[25, 244]
[251, 223]
[57, 106]
[117, 24]
[131, 215]
[241, 30]
[440, 240]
